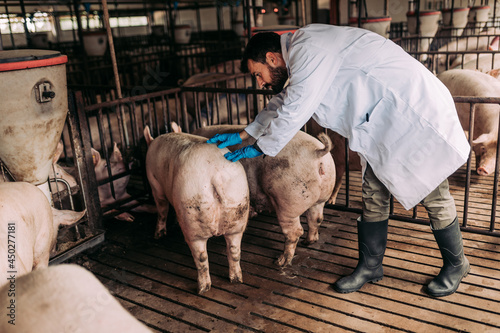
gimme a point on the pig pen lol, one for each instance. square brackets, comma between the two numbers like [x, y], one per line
[150, 64]
[469, 49]
[122, 121]
[156, 279]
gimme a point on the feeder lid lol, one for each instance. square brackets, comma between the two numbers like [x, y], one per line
[24, 59]
[279, 29]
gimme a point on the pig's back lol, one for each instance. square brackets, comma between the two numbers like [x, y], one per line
[22, 201]
[200, 183]
[463, 82]
[26, 212]
[466, 82]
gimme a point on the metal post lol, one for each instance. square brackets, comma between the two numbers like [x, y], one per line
[417, 13]
[10, 26]
[123, 133]
[304, 21]
[76, 4]
[198, 19]
[334, 12]
[26, 32]
[80, 142]
[72, 29]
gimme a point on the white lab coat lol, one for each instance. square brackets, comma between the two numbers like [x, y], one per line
[396, 114]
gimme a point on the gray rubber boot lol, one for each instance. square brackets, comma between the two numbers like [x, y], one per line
[455, 264]
[372, 240]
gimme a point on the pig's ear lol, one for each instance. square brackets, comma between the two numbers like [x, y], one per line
[175, 128]
[494, 73]
[480, 139]
[96, 157]
[117, 153]
[58, 152]
[66, 217]
[494, 44]
[147, 135]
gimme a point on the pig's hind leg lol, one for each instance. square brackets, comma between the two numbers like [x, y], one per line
[314, 216]
[200, 255]
[233, 249]
[162, 205]
[292, 229]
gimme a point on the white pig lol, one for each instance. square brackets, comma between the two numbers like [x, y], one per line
[209, 194]
[64, 298]
[298, 180]
[28, 227]
[462, 82]
[338, 154]
[484, 63]
[469, 43]
[117, 166]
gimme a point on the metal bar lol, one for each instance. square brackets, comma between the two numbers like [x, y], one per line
[90, 243]
[26, 32]
[165, 113]
[197, 110]
[104, 149]
[229, 109]
[304, 20]
[10, 26]
[130, 99]
[184, 112]
[123, 134]
[472, 117]
[347, 179]
[495, 187]
[80, 143]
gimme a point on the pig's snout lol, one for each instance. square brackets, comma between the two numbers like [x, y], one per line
[486, 166]
[483, 170]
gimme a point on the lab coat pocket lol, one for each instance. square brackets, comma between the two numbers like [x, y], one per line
[383, 128]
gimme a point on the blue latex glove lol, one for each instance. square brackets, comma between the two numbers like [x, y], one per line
[245, 152]
[226, 139]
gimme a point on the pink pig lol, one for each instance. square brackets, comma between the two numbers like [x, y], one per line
[463, 82]
[298, 180]
[120, 185]
[209, 194]
[28, 227]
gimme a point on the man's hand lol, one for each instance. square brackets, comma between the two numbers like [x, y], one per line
[226, 139]
[245, 152]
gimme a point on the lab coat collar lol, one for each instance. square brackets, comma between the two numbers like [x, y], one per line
[286, 40]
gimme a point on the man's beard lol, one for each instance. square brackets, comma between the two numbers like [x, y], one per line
[279, 75]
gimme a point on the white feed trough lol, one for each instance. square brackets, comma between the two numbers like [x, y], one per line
[428, 26]
[457, 21]
[32, 113]
[182, 33]
[478, 16]
[95, 42]
[379, 25]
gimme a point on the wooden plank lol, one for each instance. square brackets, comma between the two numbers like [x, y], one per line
[342, 319]
[184, 306]
[158, 280]
[152, 312]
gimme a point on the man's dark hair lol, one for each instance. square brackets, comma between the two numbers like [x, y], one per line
[258, 46]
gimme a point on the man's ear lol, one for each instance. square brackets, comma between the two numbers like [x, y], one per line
[271, 58]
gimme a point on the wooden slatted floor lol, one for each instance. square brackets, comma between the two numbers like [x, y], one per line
[156, 281]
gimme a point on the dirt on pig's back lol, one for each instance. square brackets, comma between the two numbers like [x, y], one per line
[209, 193]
